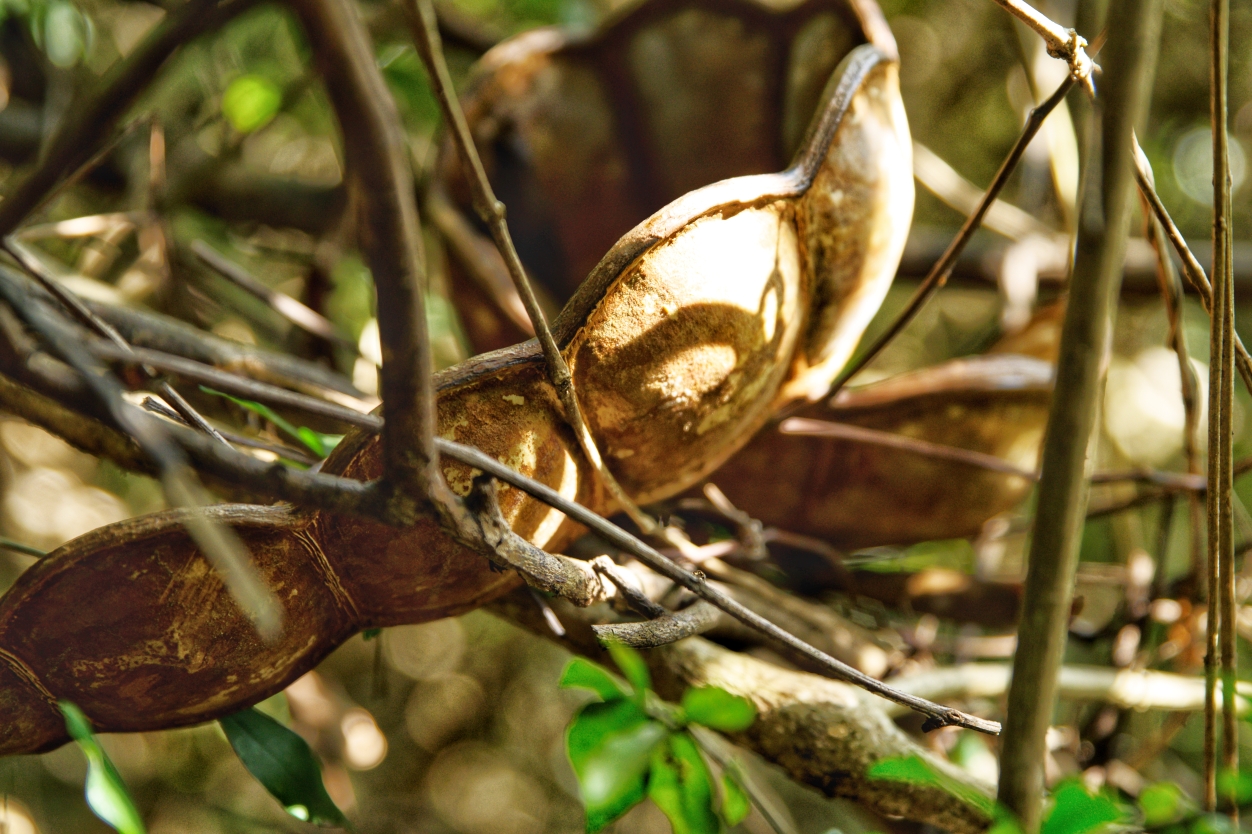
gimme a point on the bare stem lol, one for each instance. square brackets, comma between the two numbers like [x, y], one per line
[377, 160]
[1099, 253]
[1221, 393]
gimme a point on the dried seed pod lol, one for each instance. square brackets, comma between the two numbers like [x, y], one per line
[858, 494]
[687, 334]
[584, 137]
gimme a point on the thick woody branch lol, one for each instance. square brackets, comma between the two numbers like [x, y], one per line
[376, 157]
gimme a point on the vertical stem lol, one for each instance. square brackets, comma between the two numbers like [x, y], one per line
[1134, 29]
[376, 154]
[1221, 401]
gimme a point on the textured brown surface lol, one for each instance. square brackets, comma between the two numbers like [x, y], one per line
[854, 494]
[681, 342]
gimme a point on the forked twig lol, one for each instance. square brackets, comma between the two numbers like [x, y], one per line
[942, 270]
[1064, 44]
[937, 715]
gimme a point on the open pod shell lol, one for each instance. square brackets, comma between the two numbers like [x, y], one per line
[683, 340]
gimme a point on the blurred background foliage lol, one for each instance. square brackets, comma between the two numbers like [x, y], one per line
[457, 726]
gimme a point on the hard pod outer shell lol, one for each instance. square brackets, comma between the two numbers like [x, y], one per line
[682, 341]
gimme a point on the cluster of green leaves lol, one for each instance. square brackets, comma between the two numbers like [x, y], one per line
[316, 442]
[1072, 809]
[276, 756]
[631, 745]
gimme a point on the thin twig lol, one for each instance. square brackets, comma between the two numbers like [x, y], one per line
[1064, 44]
[665, 629]
[1191, 268]
[38, 270]
[425, 27]
[24, 549]
[296, 312]
[290, 453]
[1062, 496]
[1172, 297]
[822, 428]
[940, 272]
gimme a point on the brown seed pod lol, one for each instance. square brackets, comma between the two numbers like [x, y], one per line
[858, 494]
[682, 341]
[584, 137]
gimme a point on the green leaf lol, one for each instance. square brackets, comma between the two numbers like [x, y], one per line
[610, 746]
[65, 34]
[735, 802]
[632, 666]
[1234, 783]
[316, 442]
[717, 709]
[1162, 804]
[283, 763]
[250, 101]
[583, 674]
[105, 791]
[1074, 811]
[1213, 824]
[681, 787]
[915, 771]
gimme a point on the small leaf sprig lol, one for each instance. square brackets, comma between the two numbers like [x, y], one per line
[631, 745]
